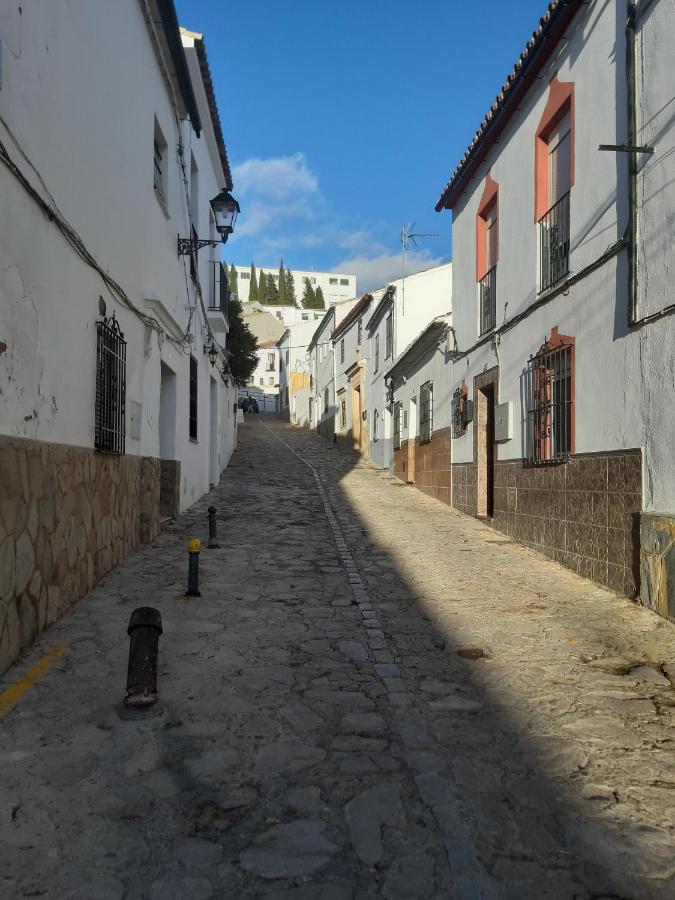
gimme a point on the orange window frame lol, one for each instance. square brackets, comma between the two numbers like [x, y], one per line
[559, 102]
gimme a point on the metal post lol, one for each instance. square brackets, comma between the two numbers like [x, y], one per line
[194, 546]
[213, 529]
[145, 627]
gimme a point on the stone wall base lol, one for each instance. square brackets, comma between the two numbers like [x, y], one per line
[68, 515]
[583, 513]
[657, 563]
[433, 474]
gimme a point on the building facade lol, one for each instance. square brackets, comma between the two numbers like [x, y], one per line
[112, 414]
[421, 391]
[336, 286]
[564, 371]
[398, 316]
[294, 372]
[322, 397]
[350, 377]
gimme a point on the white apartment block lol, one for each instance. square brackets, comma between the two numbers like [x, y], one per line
[336, 286]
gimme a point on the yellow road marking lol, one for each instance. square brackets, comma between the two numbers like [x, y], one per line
[14, 693]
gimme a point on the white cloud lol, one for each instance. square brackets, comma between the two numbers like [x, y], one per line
[276, 178]
[377, 271]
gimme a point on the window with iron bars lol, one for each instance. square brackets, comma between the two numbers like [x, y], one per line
[271, 362]
[343, 413]
[426, 412]
[111, 387]
[398, 414]
[554, 226]
[194, 369]
[488, 300]
[550, 387]
[376, 425]
[342, 350]
[377, 353]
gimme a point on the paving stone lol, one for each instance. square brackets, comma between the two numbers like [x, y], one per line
[289, 850]
[366, 814]
[287, 756]
[175, 887]
[363, 723]
[353, 650]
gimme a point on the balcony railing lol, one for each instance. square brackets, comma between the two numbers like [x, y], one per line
[554, 242]
[488, 300]
[219, 293]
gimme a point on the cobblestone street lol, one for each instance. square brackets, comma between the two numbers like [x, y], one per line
[375, 696]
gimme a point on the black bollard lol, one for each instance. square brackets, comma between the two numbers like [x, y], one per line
[213, 529]
[194, 546]
[145, 627]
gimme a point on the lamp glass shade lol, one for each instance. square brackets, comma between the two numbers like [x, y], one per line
[225, 209]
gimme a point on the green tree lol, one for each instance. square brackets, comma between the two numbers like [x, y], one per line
[233, 280]
[253, 288]
[308, 295]
[262, 287]
[290, 289]
[320, 303]
[272, 291]
[242, 346]
[282, 284]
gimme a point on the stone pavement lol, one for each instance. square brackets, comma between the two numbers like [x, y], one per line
[374, 697]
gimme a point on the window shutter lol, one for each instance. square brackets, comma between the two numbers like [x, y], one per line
[559, 147]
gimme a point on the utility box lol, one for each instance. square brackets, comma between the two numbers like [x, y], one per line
[503, 422]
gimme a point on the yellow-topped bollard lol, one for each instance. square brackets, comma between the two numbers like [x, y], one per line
[194, 545]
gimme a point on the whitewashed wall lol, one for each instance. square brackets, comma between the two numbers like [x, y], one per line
[88, 129]
[624, 377]
[332, 293]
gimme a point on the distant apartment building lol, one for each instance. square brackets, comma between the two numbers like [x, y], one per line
[336, 286]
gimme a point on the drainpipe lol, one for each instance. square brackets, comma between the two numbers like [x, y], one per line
[631, 96]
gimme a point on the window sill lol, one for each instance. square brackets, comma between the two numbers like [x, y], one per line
[487, 332]
[554, 288]
[193, 440]
[162, 203]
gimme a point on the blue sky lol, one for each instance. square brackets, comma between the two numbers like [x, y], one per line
[344, 120]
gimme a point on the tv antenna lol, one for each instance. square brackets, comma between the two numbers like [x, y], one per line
[410, 236]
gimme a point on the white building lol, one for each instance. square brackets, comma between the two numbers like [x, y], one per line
[104, 336]
[396, 319]
[336, 286]
[287, 315]
[294, 371]
[322, 369]
[565, 372]
[263, 384]
[350, 373]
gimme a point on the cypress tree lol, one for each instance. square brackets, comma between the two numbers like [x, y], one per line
[282, 284]
[253, 289]
[272, 291]
[262, 287]
[290, 289]
[319, 302]
[233, 280]
[308, 295]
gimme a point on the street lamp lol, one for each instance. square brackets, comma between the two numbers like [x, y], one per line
[213, 353]
[225, 209]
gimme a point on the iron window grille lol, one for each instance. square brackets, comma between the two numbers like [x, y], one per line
[377, 353]
[376, 425]
[359, 333]
[398, 412]
[325, 402]
[158, 169]
[389, 336]
[194, 374]
[554, 242]
[343, 414]
[550, 387]
[342, 351]
[426, 412]
[111, 387]
[488, 300]
[219, 292]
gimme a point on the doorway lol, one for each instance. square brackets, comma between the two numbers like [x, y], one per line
[214, 474]
[356, 419]
[412, 439]
[486, 450]
[167, 412]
